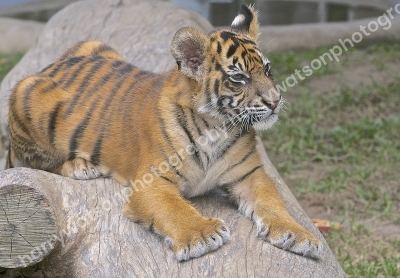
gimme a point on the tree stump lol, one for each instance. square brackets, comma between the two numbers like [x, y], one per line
[80, 229]
[26, 222]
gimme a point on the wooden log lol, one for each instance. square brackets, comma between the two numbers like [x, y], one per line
[93, 238]
[90, 235]
[27, 224]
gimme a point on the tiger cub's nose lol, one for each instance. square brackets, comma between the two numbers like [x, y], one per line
[272, 104]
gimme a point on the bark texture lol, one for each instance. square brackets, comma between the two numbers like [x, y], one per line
[80, 224]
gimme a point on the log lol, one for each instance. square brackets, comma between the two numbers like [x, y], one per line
[93, 238]
[75, 228]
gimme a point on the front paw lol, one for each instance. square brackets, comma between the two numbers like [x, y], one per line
[80, 169]
[287, 234]
[205, 236]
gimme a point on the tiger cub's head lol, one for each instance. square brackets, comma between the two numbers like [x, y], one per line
[233, 75]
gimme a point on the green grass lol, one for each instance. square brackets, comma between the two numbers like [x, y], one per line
[7, 62]
[351, 135]
[285, 63]
[376, 258]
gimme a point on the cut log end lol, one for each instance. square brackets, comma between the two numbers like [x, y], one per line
[27, 226]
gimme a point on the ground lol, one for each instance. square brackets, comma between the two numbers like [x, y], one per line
[337, 146]
[338, 149]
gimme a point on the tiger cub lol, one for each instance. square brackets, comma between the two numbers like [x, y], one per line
[169, 136]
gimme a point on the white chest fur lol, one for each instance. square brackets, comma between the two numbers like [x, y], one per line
[204, 165]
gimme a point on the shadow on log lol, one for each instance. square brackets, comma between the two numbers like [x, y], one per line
[68, 228]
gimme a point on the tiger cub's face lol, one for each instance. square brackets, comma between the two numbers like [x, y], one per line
[235, 77]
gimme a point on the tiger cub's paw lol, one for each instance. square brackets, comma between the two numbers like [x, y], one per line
[289, 235]
[203, 237]
[80, 169]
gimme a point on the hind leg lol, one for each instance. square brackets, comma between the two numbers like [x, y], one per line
[77, 168]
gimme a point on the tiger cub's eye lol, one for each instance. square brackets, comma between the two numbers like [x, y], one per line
[238, 77]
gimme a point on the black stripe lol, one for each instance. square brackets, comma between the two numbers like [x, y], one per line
[167, 179]
[205, 122]
[118, 63]
[179, 174]
[216, 87]
[137, 77]
[183, 122]
[230, 86]
[78, 132]
[144, 73]
[126, 69]
[219, 68]
[219, 48]
[164, 132]
[83, 86]
[49, 88]
[112, 94]
[51, 129]
[232, 49]
[240, 100]
[46, 68]
[96, 153]
[199, 132]
[100, 49]
[67, 66]
[225, 35]
[72, 50]
[222, 151]
[111, 75]
[87, 79]
[243, 54]
[19, 122]
[74, 60]
[239, 162]
[247, 41]
[239, 180]
[68, 82]
[9, 164]
[56, 69]
[207, 86]
[27, 93]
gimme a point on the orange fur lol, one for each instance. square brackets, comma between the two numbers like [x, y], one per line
[91, 113]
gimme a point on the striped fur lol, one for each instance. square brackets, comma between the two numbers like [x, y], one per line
[169, 136]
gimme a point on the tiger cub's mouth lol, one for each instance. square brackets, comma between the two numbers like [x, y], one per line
[264, 118]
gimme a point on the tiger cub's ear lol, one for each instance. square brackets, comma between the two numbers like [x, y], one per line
[188, 48]
[246, 22]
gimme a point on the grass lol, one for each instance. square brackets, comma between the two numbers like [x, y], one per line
[7, 62]
[341, 148]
